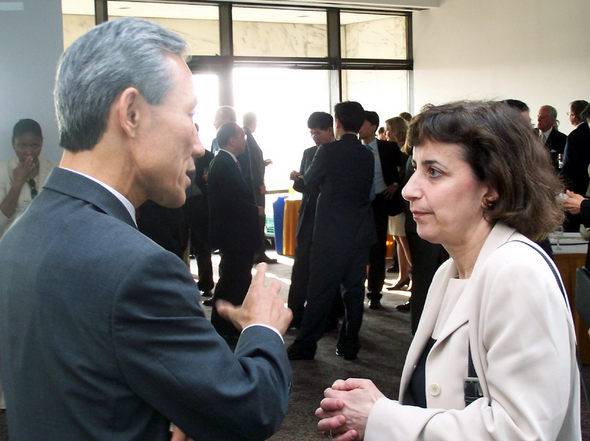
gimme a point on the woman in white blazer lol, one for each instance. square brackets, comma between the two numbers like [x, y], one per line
[484, 189]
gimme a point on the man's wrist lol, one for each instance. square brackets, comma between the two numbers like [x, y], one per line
[272, 328]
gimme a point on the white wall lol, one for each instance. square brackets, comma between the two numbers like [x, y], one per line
[537, 51]
[30, 45]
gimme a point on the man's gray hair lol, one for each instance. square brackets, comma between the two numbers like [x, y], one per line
[98, 66]
[552, 110]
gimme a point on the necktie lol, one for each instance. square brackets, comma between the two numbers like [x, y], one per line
[33, 188]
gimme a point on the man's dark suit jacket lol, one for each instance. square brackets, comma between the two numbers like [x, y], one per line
[555, 143]
[253, 161]
[577, 158]
[391, 162]
[308, 199]
[102, 336]
[233, 214]
[343, 172]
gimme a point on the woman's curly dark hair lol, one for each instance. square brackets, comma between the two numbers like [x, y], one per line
[503, 152]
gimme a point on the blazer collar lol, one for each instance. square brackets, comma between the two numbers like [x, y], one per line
[460, 314]
[80, 187]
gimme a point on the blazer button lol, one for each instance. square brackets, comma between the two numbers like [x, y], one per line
[434, 389]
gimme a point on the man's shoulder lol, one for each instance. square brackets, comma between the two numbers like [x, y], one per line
[579, 132]
[389, 144]
[310, 150]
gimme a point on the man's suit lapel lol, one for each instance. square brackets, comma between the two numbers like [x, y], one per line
[80, 187]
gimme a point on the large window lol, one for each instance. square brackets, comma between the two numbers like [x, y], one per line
[279, 32]
[281, 62]
[282, 99]
[77, 18]
[206, 88]
[373, 36]
[383, 91]
[197, 24]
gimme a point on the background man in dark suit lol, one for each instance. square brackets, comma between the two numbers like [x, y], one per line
[320, 126]
[233, 224]
[553, 139]
[343, 232]
[101, 333]
[253, 166]
[576, 159]
[387, 202]
[196, 213]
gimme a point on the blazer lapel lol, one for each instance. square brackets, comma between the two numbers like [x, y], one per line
[427, 321]
[462, 311]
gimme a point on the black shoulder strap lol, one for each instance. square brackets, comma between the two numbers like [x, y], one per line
[551, 265]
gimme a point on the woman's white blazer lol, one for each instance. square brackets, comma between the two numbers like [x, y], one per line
[521, 333]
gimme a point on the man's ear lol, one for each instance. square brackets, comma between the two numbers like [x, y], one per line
[130, 107]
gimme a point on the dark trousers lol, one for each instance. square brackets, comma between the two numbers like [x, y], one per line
[378, 251]
[235, 275]
[334, 270]
[197, 218]
[299, 278]
[261, 251]
[426, 258]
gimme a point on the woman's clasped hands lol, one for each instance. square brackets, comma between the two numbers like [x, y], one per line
[345, 409]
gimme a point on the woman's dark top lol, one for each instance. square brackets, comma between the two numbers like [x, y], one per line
[417, 389]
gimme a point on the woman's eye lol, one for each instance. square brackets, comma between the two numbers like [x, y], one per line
[433, 172]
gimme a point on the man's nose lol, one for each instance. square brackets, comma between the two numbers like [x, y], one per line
[198, 149]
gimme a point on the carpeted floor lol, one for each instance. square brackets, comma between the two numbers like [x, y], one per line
[385, 338]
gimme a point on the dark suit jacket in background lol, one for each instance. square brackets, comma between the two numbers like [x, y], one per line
[196, 212]
[309, 197]
[577, 158]
[343, 232]
[300, 271]
[343, 217]
[234, 230]
[102, 337]
[555, 143]
[391, 163]
[390, 157]
[233, 213]
[253, 161]
[575, 168]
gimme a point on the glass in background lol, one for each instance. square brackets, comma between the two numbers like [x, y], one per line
[77, 19]
[268, 32]
[282, 99]
[206, 88]
[373, 36]
[197, 24]
[382, 91]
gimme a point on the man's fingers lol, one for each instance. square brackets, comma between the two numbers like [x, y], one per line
[258, 278]
[225, 309]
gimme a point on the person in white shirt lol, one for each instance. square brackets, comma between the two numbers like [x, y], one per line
[22, 177]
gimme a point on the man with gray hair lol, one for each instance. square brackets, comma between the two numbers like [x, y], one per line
[101, 332]
[223, 115]
[548, 133]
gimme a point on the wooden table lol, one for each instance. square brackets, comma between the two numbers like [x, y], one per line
[568, 258]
